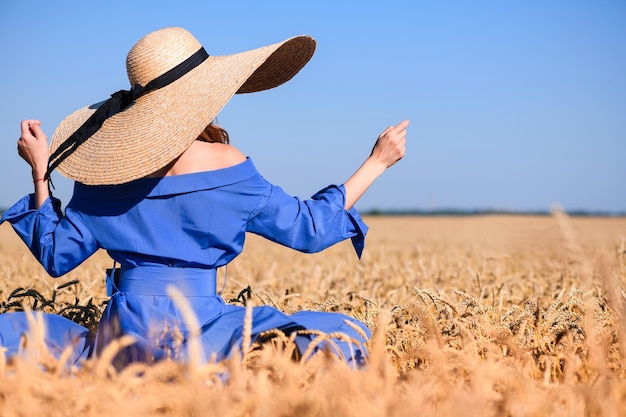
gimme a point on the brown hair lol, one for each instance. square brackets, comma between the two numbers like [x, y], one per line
[214, 133]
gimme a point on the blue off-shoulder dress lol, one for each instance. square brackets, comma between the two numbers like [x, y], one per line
[176, 231]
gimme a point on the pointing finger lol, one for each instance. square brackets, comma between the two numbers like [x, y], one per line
[402, 125]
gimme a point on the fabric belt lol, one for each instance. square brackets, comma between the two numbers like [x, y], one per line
[154, 280]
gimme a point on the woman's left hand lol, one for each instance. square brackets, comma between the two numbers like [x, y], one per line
[32, 146]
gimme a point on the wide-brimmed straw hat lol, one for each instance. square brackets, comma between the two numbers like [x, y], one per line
[153, 128]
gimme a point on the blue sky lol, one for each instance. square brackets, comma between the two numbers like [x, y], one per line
[513, 105]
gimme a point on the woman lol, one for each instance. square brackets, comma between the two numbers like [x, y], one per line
[159, 187]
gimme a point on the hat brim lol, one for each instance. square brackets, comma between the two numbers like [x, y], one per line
[158, 127]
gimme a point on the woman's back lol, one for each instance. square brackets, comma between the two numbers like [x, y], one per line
[196, 219]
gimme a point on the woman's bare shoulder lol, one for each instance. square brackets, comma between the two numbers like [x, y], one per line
[204, 156]
[221, 154]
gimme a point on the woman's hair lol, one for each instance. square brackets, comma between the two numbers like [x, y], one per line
[214, 133]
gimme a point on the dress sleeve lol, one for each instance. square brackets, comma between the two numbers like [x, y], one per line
[59, 243]
[309, 225]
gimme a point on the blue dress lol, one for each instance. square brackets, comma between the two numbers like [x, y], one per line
[176, 231]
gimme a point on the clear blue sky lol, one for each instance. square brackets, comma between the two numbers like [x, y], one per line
[517, 105]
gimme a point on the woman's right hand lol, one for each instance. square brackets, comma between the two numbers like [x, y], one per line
[32, 146]
[389, 149]
[391, 144]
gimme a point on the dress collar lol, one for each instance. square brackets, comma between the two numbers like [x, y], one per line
[169, 185]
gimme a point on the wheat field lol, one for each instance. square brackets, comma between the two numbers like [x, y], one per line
[473, 316]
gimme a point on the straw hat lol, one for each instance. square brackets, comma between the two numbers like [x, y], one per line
[160, 125]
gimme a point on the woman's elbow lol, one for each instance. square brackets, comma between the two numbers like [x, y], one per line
[57, 268]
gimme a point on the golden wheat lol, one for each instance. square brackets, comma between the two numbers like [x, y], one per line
[485, 316]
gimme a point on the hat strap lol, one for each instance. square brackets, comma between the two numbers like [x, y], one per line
[119, 102]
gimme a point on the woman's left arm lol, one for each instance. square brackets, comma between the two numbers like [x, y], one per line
[32, 146]
[59, 242]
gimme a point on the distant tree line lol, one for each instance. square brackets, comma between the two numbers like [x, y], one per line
[486, 212]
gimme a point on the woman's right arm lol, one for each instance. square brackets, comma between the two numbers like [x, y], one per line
[327, 217]
[389, 149]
